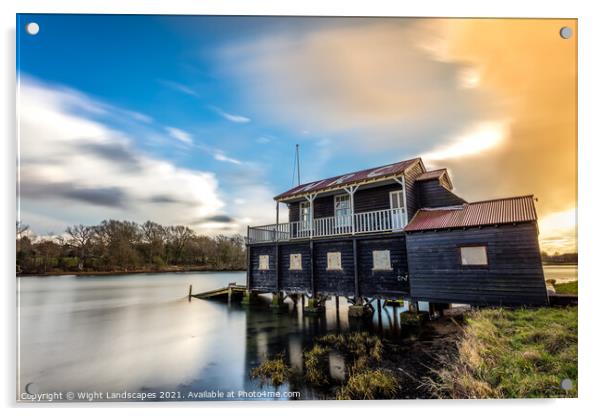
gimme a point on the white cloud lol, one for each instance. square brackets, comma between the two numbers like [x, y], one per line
[179, 87]
[477, 139]
[231, 117]
[75, 169]
[221, 156]
[371, 83]
[179, 134]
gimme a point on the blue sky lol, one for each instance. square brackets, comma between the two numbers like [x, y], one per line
[194, 119]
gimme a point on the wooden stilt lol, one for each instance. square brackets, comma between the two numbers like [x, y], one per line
[189, 293]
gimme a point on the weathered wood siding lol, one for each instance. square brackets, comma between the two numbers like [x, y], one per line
[263, 280]
[293, 212]
[432, 194]
[374, 199]
[295, 280]
[391, 284]
[514, 275]
[331, 282]
[412, 189]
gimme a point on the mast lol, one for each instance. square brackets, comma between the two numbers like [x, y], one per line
[298, 165]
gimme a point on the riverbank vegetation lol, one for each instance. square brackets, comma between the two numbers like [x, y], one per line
[486, 353]
[125, 246]
[504, 353]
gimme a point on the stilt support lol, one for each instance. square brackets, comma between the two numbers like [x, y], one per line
[359, 309]
[250, 298]
[314, 306]
[278, 302]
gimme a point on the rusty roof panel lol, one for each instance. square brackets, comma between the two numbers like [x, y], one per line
[432, 174]
[337, 182]
[496, 211]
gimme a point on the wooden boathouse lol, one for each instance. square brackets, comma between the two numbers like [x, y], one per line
[398, 232]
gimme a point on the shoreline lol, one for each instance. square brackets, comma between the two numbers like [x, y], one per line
[128, 272]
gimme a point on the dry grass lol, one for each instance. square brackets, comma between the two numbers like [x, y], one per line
[274, 371]
[316, 365]
[369, 385]
[512, 354]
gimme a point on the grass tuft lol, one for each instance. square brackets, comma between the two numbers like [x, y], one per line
[369, 385]
[316, 365]
[274, 371]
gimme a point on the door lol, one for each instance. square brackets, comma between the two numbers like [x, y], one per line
[342, 212]
[398, 216]
[305, 217]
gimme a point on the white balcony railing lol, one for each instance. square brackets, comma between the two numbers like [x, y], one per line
[361, 222]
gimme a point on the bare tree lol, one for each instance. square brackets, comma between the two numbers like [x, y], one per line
[80, 238]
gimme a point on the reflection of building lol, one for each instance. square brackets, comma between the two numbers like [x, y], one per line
[399, 231]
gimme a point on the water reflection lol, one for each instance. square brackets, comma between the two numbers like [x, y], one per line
[140, 333]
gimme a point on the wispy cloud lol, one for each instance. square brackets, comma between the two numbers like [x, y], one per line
[221, 156]
[179, 87]
[231, 117]
[62, 152]
[180, 135]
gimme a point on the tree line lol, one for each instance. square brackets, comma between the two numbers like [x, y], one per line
[125, 246]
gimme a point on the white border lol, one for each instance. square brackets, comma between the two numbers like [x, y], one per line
[590, 36]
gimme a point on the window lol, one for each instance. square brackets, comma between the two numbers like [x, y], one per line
[304, 215]
[333, 261]
[397, 210]
[342, 210]
[264, 262]
[381, 260]
[474, 255]
[295, 262]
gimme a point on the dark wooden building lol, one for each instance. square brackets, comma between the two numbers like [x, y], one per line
[395, 232]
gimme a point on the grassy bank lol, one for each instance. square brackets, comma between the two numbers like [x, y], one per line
[511, 354]
[570, 288]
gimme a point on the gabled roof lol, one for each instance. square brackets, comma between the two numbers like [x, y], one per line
[341, 181]
[492, 212]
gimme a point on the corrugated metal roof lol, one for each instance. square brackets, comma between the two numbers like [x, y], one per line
[337, 182]
[432, 174]
[496, 211]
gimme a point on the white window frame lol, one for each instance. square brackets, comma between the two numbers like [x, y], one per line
[398, 218]
[386, 268]
[262, 258]
[334, 254]
[469, 260]
[342, 220]
[290, 263]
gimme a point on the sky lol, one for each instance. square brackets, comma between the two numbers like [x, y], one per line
[193, 120]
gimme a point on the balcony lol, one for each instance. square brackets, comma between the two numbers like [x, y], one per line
[358, 223]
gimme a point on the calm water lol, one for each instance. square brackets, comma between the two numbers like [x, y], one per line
[139, 333]
[561, 273]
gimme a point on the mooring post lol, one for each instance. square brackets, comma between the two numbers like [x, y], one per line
[189, 293]
[229, 295]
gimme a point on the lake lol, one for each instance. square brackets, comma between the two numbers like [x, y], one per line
[140, 334]
[561, 273]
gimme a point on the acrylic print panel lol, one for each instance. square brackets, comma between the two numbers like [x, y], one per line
[174, 243]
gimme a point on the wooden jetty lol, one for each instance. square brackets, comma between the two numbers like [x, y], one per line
[225, 292]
